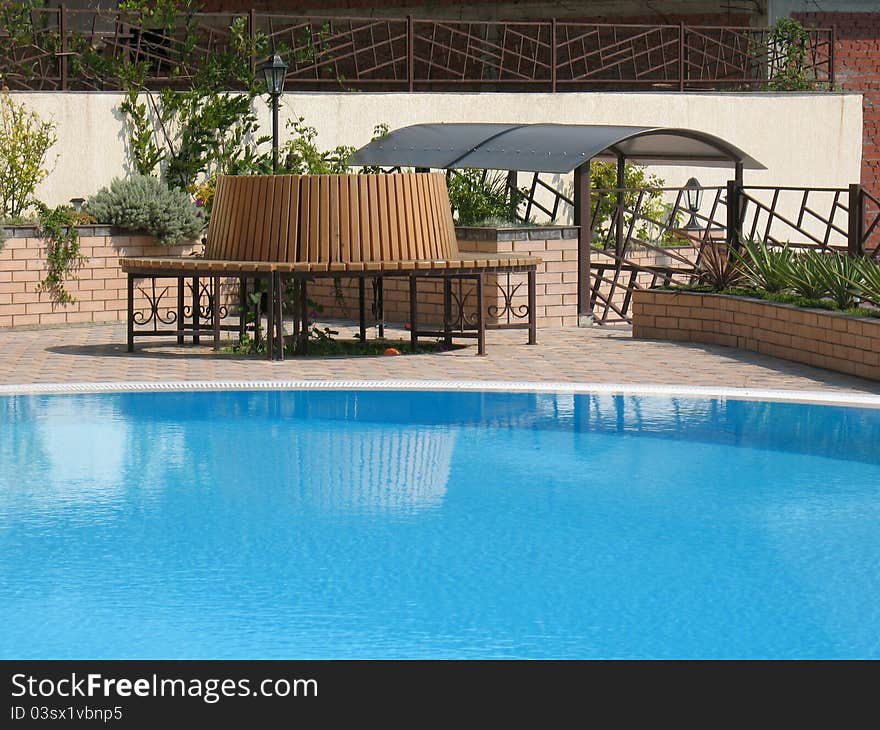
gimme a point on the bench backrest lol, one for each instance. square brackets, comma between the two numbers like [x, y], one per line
[329, 218]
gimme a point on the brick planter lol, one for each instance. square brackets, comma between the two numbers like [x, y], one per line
[99, 289]
[831, 340]
[556, 278]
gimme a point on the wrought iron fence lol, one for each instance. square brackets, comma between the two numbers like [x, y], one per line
[639, 242]
[59, 49]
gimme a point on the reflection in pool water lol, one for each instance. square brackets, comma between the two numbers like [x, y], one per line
[375, 524]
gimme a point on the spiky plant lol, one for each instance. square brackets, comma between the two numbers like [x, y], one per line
[718, 268]
[805, 275]
[842, 278]
[868, 281]
[764, 267]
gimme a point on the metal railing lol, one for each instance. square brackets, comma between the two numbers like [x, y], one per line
[52, 49]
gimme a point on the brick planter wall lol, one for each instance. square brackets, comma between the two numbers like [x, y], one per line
[830, 340]
[556, 288]
[100, 289]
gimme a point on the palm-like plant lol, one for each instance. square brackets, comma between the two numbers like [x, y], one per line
[718, 268]
[764, 267]
[842, 275]
[805, 275]
[868, 280]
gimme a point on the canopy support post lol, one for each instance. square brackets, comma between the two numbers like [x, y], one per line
[621, 183]
[582, 220]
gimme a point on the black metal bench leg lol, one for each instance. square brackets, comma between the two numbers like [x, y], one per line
[533, 317]
[304, 313]
[130, 343]
[196, 298]
[181, 301]
[279, 316]
[242, 308]
[481, 317]
[270, 320]
[362, 308]
[215, 310]
[413, 313]
[447, 311]
[379, 297]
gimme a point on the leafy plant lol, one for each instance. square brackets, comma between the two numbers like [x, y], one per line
[477, 195]
[868, 280]
[842, 277]
[790, 68]
[147, 205]
[653, 216]
[718, 268]
[806, 276]
[63, 256]
[764, 267]
[25, 140]
[301, 156]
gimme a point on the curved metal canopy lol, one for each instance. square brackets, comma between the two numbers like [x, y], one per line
[546, 147]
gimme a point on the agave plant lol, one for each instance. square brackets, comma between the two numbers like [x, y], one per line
[719, 268]
[842, 275]
[764, 267]
[868, 280]
[805, 275]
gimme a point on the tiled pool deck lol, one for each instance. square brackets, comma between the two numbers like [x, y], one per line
[96, 353]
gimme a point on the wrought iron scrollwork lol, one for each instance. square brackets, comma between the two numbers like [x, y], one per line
[508, 309]
[154, 314]
[460, 318]
[208, 296]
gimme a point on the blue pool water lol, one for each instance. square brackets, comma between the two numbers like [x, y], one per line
[436, 525]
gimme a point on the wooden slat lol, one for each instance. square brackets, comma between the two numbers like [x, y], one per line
[275, 186]
[229, 188]
[354, 202]
[236, 211]
[270, 189]
[452, 241]
[364, 217]
[246, 245]
[214, 224]
[393, 223]
[334, 182]
[282, 214]
[383, 220]
[415, 248]
[305, 217]
[344, 218]
[324, 228]
[293, 220]
[314, 218]
[375, 238]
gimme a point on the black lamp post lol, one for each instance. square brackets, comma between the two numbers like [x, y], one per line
[274, 72]
[694, 192]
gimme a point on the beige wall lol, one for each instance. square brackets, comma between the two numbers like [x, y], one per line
[803, 139]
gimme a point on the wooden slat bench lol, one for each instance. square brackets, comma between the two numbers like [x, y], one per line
[298, 228]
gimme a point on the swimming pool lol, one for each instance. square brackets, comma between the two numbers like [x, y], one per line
[347, 524]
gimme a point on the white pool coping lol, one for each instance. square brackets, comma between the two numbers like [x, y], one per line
[822, 397]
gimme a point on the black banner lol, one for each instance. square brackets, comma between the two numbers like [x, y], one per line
[284, 693]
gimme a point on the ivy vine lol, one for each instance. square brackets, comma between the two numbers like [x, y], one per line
[57, 228]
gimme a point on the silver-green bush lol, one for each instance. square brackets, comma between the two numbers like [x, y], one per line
[146, 205]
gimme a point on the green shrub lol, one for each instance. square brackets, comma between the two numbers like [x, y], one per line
[764, 267]
[25, 140]
[842, 277]
[806, 276]
[868, 280]
[146, 205]
[718, 269]
[477, 195]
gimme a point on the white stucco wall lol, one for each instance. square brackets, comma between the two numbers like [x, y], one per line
[803, 139]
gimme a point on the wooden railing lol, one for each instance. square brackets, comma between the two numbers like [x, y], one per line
[61, 49]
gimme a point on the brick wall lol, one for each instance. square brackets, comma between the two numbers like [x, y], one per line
[100, 288]
[494, 10]
[857, 68]
[556, 281]
[815, 337]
